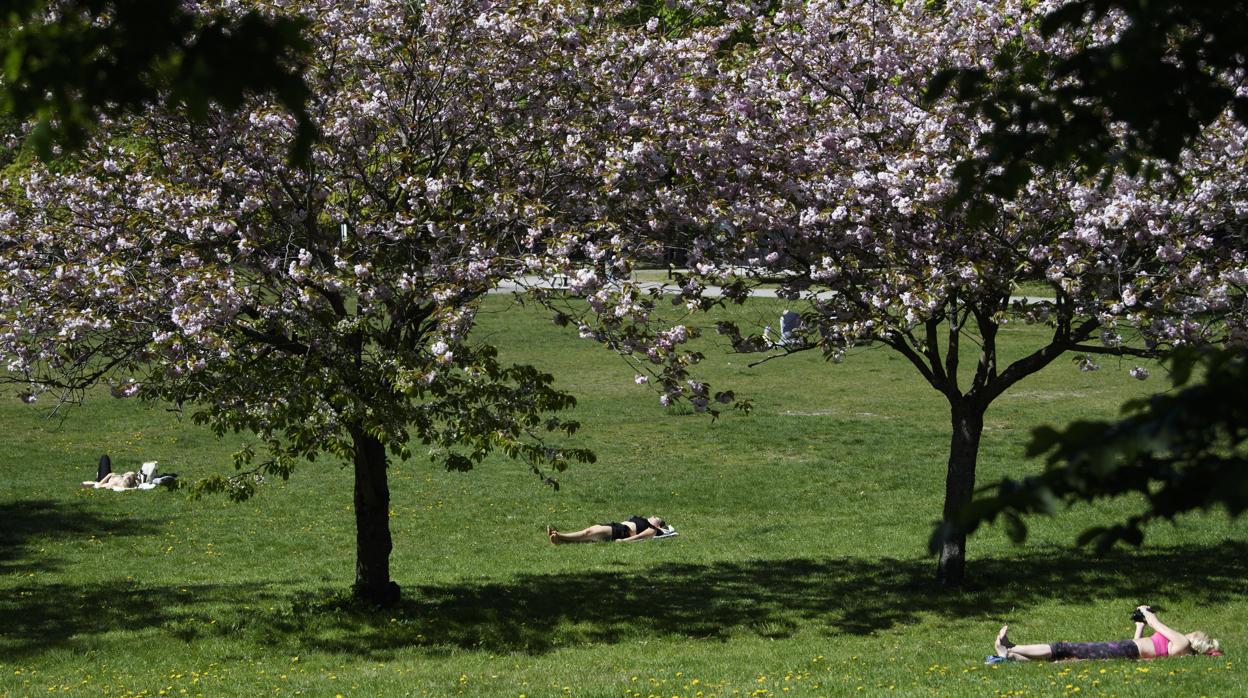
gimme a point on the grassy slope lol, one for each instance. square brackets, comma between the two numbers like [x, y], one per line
[799, 568]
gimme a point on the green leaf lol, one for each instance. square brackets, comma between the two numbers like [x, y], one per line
[1043, 438]
[939, 84]
[1090, 535]
[13, 62]
[1015, 528]
[41, 138]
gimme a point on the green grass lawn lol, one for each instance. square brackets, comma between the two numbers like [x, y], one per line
[800, 567]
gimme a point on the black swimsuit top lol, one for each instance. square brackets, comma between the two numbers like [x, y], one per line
[640, 523]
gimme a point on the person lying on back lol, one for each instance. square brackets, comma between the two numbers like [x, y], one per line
[632, 528]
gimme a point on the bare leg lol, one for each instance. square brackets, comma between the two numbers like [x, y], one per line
[1023, 653]
[1002, 644]
[585, 535]
[110, 481]
[1028, 653]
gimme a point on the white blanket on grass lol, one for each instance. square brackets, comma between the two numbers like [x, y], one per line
[665, 532]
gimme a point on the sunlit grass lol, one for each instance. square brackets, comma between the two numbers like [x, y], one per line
[800, 568]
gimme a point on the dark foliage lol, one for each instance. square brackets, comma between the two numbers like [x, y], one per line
[101, 58]
[1183, 451]
[1166, 77]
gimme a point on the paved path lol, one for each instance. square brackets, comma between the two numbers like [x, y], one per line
[530, 282]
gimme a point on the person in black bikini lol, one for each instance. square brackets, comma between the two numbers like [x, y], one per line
[633, 528]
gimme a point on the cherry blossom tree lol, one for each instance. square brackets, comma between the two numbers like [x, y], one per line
[1148, 93]
[1134, 101]
[324, 306]
[807, 156]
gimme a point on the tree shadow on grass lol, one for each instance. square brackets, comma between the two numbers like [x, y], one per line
[769, 598]
[535, 613]
[27, 523]
[40, 617]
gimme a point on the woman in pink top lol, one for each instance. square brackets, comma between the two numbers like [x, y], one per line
[1164, 642]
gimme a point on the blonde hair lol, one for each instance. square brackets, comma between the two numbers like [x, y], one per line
[1203, 644]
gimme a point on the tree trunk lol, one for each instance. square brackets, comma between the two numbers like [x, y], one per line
[968, 425]
[372, 523]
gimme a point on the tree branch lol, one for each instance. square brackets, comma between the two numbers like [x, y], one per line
[932, 350]
[1116, 351]
[899, 344]
[951, 353]
[787, 351]
[1063, 341]
[277, 341]
[986, 370]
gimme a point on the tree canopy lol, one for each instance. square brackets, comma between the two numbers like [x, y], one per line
[1132, 96]
[324, 305]
[809, 158]
[1140, 100]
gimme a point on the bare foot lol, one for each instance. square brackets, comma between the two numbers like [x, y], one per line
[553, 535]
[1002, 643]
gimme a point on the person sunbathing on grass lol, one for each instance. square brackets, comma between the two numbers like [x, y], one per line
[115, 481]
[1164, 642]
[634, 528]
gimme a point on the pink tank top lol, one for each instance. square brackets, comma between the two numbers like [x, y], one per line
[1161, 646]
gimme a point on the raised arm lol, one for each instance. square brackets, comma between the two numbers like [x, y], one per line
[1139, 630]
[648, 533]
[1179, 644]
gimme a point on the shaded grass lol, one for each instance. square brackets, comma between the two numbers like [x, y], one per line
[800, 562]
[543, 613]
